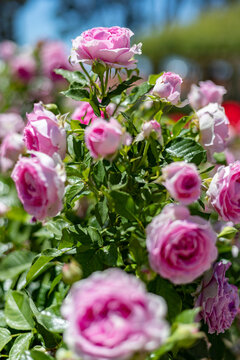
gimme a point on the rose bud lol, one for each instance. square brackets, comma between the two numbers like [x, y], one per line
[168, 87]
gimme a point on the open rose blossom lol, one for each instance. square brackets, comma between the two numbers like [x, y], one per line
[168, 87]
[206, 93]
[177, 244]
[43, 132]
[40, 184]
[11, 147]
[111, 316]
[214, 126]
[24, 67]
[182, 181]
[10, 123]
[224, 192]
[219, 300]
[110, 45]
[103, 138]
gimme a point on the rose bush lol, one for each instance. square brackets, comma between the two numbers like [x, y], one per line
[102, 263]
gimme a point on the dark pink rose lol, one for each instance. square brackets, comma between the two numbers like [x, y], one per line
[43, 132]
[182, 181]
[206, 93]
[24, 67]
[177, 244]
[40, 185]
[111, 316]
[110, 45]
[219, 300]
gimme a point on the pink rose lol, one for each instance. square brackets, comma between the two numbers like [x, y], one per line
[219, 300]
[7, 50]
[11, 147]
[177, 244]
[182, 181]
[53, 56]
[103, 138]
[206, 93]
[110, 45]
[148, 128]
[85, 114]
[168, 87]
[214, 126]
[40, 185]
[224, 192]
[43, 132]
[10, 123]
[24, 67]
[111, 316]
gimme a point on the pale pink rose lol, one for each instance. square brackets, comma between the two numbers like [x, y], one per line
[103, 138]
[214, 126]
[148, 128]
[206, 93]
[168, 87]
[111, 316]
[7, 50]
[85, 114]
[219, 300]
[110, 45]
[11, 147]
[24, 67]
[224, 192]
[53, 56]
[182, 181]
[10, 123]
[40, 184]
[43, 132]
[177, 244]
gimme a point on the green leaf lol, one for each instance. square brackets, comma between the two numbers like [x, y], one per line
[72, 76]
[186, 149]
[102, 211]
[5, 337]
[18, 312]
[99, 173]
[40, 264]
[228, 232]
[72, 192]
[187, 316]
[35, 355]
[153, 78]
[52, 320]
[95, 236]
[138, 91]
[165, 289]
[20, 345]
[77, 93]
[124, 204]
[177, 128]
[15, 263]
[109, 254]
[120, 88]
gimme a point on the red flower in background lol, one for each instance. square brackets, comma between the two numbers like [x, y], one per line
[232, 110]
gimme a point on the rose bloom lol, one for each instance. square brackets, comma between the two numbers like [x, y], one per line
[219, 300]
[24, 67]
[168, 87]
[43, 132]
[111, 316]
[85, 114]
[182, 181]
[148, 128]
[206, 93]
[224, 192]
[11, 147]
[177, 244]
[110, 45]
[10, 123]
[7, 49]
[214, 126]
[103, 138]
[53, 56]
[40, 185]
